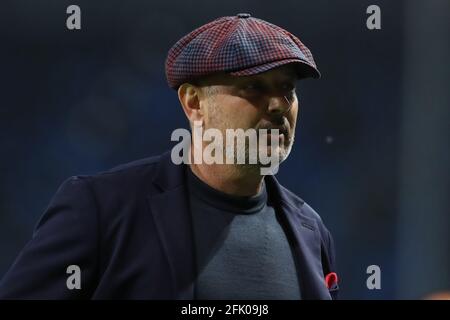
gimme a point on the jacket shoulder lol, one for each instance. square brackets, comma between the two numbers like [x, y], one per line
[133, 165]
[137, 174]
[117, 192]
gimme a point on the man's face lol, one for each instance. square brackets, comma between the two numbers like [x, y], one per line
[264, 101]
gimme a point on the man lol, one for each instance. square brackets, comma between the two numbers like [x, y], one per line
[153, 229]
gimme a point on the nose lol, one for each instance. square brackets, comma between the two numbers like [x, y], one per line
[279, 105]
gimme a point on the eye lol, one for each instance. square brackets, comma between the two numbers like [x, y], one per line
[288, 86]
[253, 87]
[250, 86]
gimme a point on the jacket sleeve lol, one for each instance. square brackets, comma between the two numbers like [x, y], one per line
[66, 235]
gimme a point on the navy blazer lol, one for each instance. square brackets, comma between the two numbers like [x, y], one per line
[129, 230]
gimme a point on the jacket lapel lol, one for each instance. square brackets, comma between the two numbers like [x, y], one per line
[306, 243]
[170, 209]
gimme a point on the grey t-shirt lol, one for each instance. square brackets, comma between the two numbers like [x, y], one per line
[242, 251]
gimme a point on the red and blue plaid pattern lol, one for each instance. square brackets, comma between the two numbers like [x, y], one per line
[240, 45]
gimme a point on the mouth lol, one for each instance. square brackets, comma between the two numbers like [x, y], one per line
[282, 131]
[282, 125]
[283, 135]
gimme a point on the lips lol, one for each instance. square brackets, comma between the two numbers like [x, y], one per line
[282, 135]
[280, 123]
[282, 130]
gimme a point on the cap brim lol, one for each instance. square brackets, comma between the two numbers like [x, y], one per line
[304, 70]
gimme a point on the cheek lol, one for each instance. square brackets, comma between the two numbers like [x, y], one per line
[293, 115]
[234, 112]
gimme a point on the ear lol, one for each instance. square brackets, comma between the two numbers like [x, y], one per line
[189, 96]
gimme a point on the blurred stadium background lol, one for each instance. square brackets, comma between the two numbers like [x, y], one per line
[372, 148]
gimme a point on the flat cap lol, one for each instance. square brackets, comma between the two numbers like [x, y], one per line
[239, 45]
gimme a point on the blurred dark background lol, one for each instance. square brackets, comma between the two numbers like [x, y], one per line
[372, 147]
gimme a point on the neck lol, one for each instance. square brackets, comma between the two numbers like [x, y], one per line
[235, 180]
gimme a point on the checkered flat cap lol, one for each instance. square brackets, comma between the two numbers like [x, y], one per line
[239, 45]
